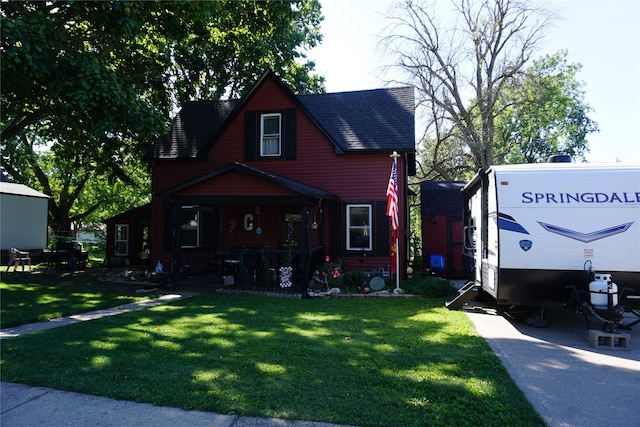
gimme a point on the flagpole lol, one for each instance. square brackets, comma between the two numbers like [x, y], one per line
[395, 156]
[397, 268]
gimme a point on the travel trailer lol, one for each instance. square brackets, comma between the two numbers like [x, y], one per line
[537, 234]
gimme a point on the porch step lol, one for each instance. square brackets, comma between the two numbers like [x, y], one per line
[464, 295]
[608, 340]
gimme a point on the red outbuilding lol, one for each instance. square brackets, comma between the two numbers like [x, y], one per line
[441, 212]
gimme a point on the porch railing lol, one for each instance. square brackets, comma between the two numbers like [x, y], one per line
[257, 268]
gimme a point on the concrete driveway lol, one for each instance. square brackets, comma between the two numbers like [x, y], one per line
[569, 382]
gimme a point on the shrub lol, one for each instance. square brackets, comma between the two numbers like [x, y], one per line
[331, 272]
[428, 286]
[353, 280]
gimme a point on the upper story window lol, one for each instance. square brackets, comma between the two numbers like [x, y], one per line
[270, 134]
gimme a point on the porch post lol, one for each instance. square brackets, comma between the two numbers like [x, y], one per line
[177, 244]
[305, 247]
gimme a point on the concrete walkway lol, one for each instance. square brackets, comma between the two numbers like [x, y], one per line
[24, 406]
[97, 314]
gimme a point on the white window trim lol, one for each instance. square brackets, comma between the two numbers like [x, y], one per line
[126, 241]
[369, 226]
[196, 227]
[263, 136]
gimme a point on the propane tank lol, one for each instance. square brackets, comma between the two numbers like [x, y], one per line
[602, 290]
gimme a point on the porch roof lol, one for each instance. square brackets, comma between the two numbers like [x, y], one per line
[144, 210]
[270, 177]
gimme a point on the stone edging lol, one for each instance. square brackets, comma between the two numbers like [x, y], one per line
[224, 291]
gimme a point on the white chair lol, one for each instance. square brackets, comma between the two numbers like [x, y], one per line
[17, 257]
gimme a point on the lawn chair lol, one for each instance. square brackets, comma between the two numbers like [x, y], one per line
[18, 257]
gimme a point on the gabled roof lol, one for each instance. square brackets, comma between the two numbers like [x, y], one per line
[288, 183]
[191, 129]
[441, 197]
[367, 120]
[363, 121]
[140, 210]
[20, 190]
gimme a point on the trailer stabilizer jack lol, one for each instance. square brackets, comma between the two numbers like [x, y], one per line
[464, 295]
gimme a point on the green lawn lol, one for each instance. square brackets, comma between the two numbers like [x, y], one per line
[365, 362]
[26, 298]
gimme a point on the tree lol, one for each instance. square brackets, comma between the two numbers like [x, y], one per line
[541, 112]
[544, 113]
[86, 86]
[461, 70]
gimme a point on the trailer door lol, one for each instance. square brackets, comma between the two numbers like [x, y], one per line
[472, 232]
[491, 255]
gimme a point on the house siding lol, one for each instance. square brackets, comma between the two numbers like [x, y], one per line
[355, 177]
[138, 248]
[24, 220]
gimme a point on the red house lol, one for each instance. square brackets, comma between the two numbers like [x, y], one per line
[275, 178]
[129, 237]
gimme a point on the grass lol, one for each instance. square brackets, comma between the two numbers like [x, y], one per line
[38, 297]
[365, 362]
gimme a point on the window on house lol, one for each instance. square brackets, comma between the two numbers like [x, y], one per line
[196, 227]
[359, 227]
[270, 134]
[122, 240]
[189, 227]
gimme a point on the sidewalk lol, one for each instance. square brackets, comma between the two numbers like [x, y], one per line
[24, 406]
[97, 314]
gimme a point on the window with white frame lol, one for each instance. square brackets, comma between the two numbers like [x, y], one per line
[359, 227]
[189, 227]
[121, 240]
[270, 134]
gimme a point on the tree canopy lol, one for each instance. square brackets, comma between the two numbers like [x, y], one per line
[86, 86]
[543, 112]
[484, 100]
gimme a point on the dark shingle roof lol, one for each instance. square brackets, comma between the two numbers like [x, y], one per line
[441, 197]
[368, 120]
[191, 129]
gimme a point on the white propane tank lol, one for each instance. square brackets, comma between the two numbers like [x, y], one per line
[600, 288]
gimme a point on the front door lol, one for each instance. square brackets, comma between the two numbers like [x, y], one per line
[141, 241]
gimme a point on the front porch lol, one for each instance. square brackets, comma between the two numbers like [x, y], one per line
[251, 268]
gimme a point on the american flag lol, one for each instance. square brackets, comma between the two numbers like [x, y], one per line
[392, 196]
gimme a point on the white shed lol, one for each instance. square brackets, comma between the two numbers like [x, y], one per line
[23, 217]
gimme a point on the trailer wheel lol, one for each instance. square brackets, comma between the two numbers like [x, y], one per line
[517, 313]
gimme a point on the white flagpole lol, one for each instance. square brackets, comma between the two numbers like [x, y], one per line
[397, 267]
[395, 156]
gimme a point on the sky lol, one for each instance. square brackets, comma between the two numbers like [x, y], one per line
[602, 35]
